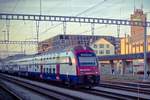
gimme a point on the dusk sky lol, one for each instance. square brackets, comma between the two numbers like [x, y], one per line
[26, 30]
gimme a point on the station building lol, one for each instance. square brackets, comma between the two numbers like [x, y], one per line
[62, 41]
[135, 43]
[103, 47]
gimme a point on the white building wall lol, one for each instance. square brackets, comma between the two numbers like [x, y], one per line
[103, 47]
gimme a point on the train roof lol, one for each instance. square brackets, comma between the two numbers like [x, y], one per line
[69, 48]
[54, 52]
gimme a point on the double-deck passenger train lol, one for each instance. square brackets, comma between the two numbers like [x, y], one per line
[76, 66]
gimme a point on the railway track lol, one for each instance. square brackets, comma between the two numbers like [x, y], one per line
[133, 84]
[6, 94]
[126, 88]
[106, 94]
[142, 89]
[65, 91]
[44, 91]
[96, 92]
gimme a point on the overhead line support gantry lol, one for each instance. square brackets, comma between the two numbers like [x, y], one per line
[5, 16]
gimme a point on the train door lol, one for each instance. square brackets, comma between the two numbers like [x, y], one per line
[57, 71]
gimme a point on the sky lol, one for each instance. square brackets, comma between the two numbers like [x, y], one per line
[26, 30]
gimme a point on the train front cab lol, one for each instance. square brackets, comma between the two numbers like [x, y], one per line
[87, 68]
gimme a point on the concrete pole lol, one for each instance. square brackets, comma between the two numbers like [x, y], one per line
[145, 51]
[92, 32]
[64, 28]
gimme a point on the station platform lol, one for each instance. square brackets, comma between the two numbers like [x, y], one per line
[126, 78]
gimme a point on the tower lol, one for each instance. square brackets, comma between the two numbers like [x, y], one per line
[137, 32]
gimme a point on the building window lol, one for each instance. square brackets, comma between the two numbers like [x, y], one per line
[95, 46]
[107, 45]
[101, 46]
[101, 52]
[107, 51]
[96, 52]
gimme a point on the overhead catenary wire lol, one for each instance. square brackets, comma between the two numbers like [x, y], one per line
[13, 9]
[15, 6]
[90, 8]
[80, 13]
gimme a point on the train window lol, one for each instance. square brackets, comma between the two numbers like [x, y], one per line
[53, 70]
[43, 69]
[49, 70]
[37, 67]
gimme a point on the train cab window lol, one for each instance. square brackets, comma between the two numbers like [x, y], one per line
[70, 62]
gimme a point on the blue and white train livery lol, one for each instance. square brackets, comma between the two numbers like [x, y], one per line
[74, 66]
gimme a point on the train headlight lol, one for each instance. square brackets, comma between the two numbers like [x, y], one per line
[73, 61]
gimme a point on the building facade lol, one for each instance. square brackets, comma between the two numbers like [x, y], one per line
[130, 48]
[62, 41]
[137, 32]
[103, 47]
[135, 42]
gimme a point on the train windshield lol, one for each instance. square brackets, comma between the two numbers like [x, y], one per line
[87, 59]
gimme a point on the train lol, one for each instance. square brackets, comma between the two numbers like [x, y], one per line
[74, 66]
